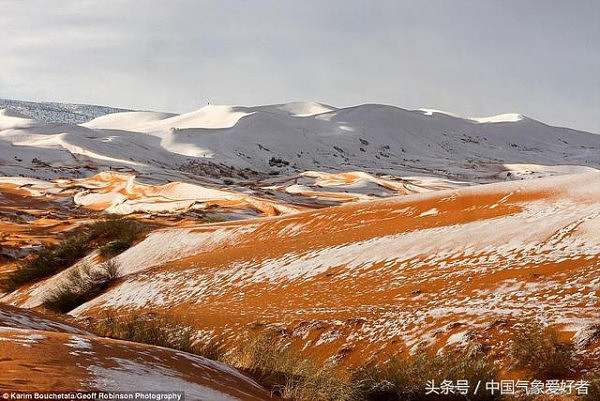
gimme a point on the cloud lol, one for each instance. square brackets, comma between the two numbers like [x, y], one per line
[538, 58]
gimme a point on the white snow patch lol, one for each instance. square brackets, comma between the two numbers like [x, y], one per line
[430, 212]
[132, 376]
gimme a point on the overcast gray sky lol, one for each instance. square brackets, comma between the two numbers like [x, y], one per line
[540, 58]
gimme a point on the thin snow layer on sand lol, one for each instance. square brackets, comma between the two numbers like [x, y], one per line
[86, 362]
[34, 296]
[79, 343]
[169, 244]
[23, 337]
[430, 212]
[392, 276]
[80, 346]
[159, 247]
[209, 117]
[131, 121]
[159, 369]
[23, 319]
[354, 181]
[494, 239]
[348, 186]
[541, 231]
[132, 376]
[526, 171]
[123, 194]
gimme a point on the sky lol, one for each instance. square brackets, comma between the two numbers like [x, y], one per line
[475, 58]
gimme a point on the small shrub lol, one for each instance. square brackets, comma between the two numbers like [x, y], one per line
[214, 219]
[118, 233]
[81, 285]
[291, 376]
[114, 233]
[114, 247]
[114, 226]
[160, 330]
[593, 390]
[538, 350]
[47, 261]
[314, 383]
[287, 374]
[405, 378]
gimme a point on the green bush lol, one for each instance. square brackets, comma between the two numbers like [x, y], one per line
[117, 234]
[114, 227]
[115, 247]
[80, 286]
[113, 235]
[291, 375]
[48, 261]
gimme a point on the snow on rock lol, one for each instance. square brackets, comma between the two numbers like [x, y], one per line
[48, 112]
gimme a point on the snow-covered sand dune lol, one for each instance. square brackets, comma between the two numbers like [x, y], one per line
[448, 261]
[65, 358]
[120, 193]
[290, 138]
[399, 272]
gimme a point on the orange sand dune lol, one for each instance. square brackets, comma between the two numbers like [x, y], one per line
[42, 355]
[27, 221]
[121, 193]
[326, 188]
[369, 278]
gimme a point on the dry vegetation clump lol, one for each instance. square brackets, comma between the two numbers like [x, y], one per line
[594, 389]
[160, 330]
[538, 350]
[114, 234]
[405, 378]
[214, 219]
[81, 285]
[287, 374]
[118, 234]
[47, 261]
[293, 376]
